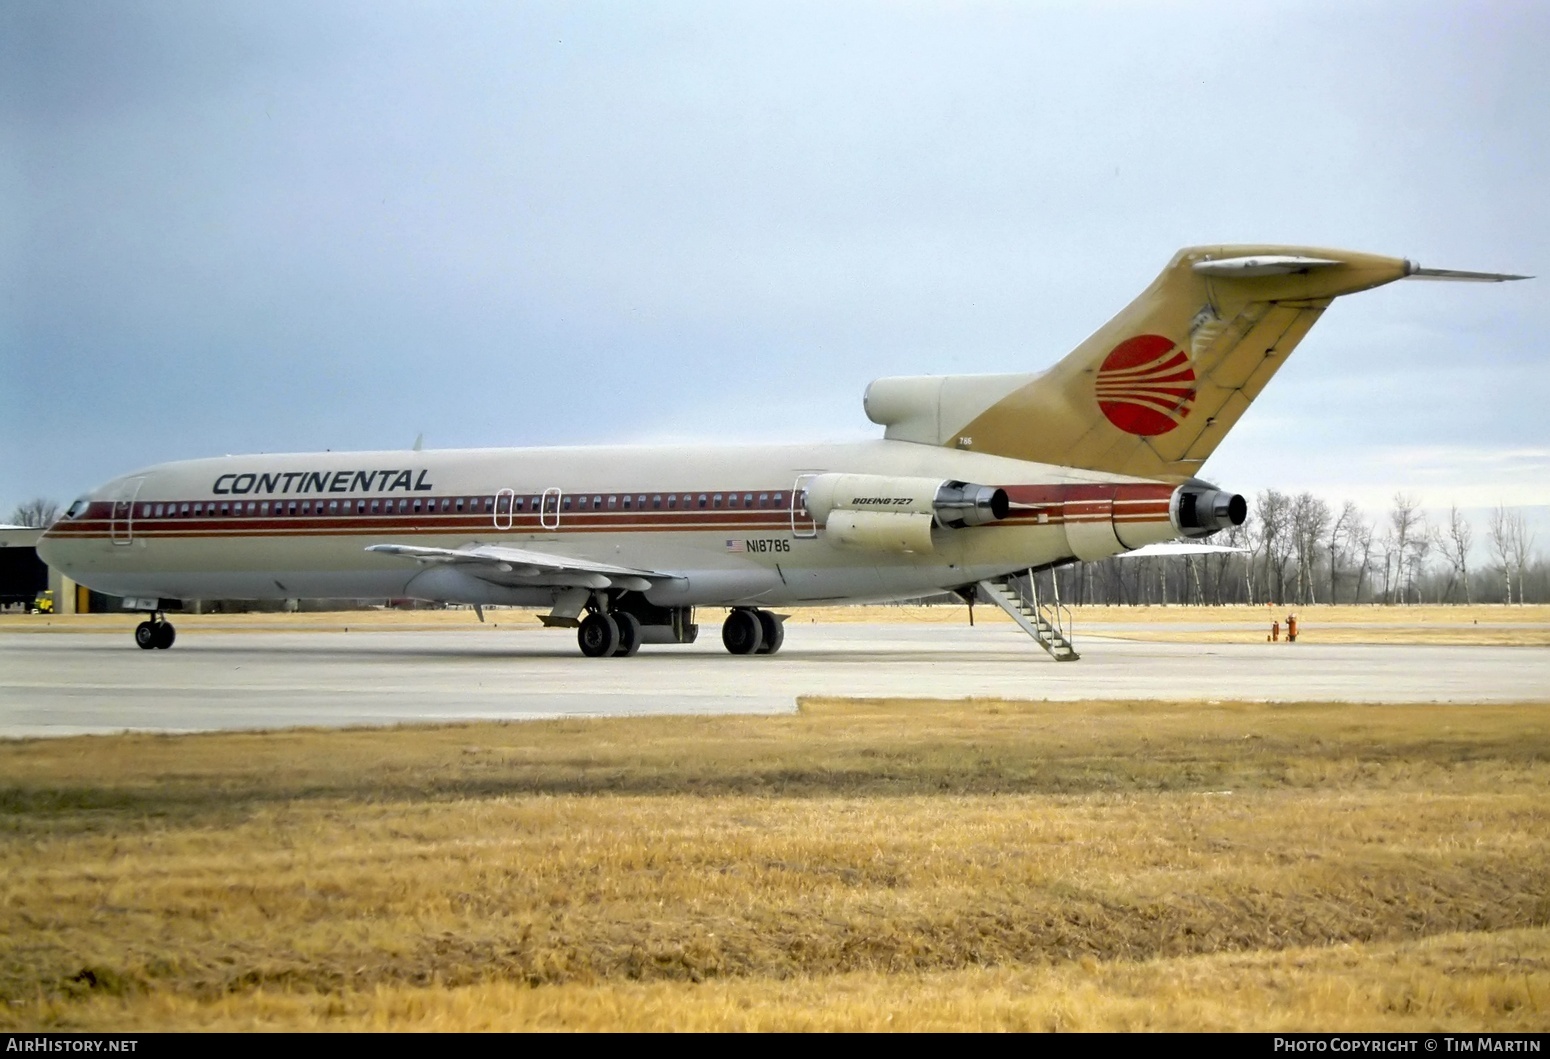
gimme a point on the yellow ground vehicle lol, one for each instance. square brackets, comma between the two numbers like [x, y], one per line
[44, 603]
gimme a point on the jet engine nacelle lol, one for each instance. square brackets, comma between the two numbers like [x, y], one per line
[1199, 509]
[896, 514]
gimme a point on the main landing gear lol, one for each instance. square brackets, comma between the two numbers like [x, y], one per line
[619, 631]
[603, 635]
[748, 631]
[157, 633]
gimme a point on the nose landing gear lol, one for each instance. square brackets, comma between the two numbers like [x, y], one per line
[157, 633]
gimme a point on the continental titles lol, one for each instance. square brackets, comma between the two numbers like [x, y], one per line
[284, 482]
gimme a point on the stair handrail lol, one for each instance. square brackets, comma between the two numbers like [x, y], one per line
[1056, 613]
[1064, 622]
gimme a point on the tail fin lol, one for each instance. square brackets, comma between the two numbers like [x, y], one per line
[1153, 391]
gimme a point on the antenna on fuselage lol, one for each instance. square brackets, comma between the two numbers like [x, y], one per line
[419, 442]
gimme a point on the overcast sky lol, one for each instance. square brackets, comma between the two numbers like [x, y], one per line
[232, 227]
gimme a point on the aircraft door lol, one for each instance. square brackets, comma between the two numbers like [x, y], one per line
[1090, 528]
[802, 522]
[549, 509]
[121, 524]
[505, 508]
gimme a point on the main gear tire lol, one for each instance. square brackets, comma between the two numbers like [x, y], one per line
[165, 634]
[629, 634]
[145, 635]
[598, 636]
[742, 633]
[773, 630]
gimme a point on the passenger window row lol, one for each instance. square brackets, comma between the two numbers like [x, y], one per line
[671, 501]
[501, 504]
[238, 509]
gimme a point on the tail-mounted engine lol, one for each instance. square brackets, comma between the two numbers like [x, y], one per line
[897, 514]
[1199, 509]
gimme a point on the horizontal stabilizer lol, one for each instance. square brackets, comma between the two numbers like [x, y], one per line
[1456, 275]
[1169, 549]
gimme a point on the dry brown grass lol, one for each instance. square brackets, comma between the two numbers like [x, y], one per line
[1453, 981]
[1480, 626]
[967, 864]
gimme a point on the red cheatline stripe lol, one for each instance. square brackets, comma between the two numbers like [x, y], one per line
[1061, 503]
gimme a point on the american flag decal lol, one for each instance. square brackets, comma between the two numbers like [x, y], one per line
[737, 546]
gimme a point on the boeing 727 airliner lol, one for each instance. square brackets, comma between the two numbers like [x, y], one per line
[976, 477]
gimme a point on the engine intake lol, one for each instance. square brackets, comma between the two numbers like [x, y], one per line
[1200, 509]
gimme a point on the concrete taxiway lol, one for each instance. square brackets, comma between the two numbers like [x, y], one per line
[68, 683]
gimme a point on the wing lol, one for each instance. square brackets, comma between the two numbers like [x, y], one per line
[501, 565]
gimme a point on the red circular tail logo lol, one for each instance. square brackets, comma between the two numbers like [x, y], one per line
[1146, 385]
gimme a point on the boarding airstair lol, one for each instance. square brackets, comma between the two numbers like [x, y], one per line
[1049, 623]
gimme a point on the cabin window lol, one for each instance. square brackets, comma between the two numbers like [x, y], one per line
[731, 500]
[198, 508]
[459, 505]
[159, 509]
[656, 502]
[613, 502]
[778, 500]
[567, 503]
[263, 509]
[640, 502]
[376, 505]
[715, 501]
[702, 499]
[627, 503]
[748, 500]
[403, 506]
[333, 507]
[672, 501]
[145, 510]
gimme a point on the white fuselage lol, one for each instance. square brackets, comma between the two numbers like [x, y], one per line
[727, 522]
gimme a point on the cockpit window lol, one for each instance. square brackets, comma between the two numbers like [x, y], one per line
[78, 508]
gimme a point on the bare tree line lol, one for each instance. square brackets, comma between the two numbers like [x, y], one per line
[35, 513]
[1299, 550]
